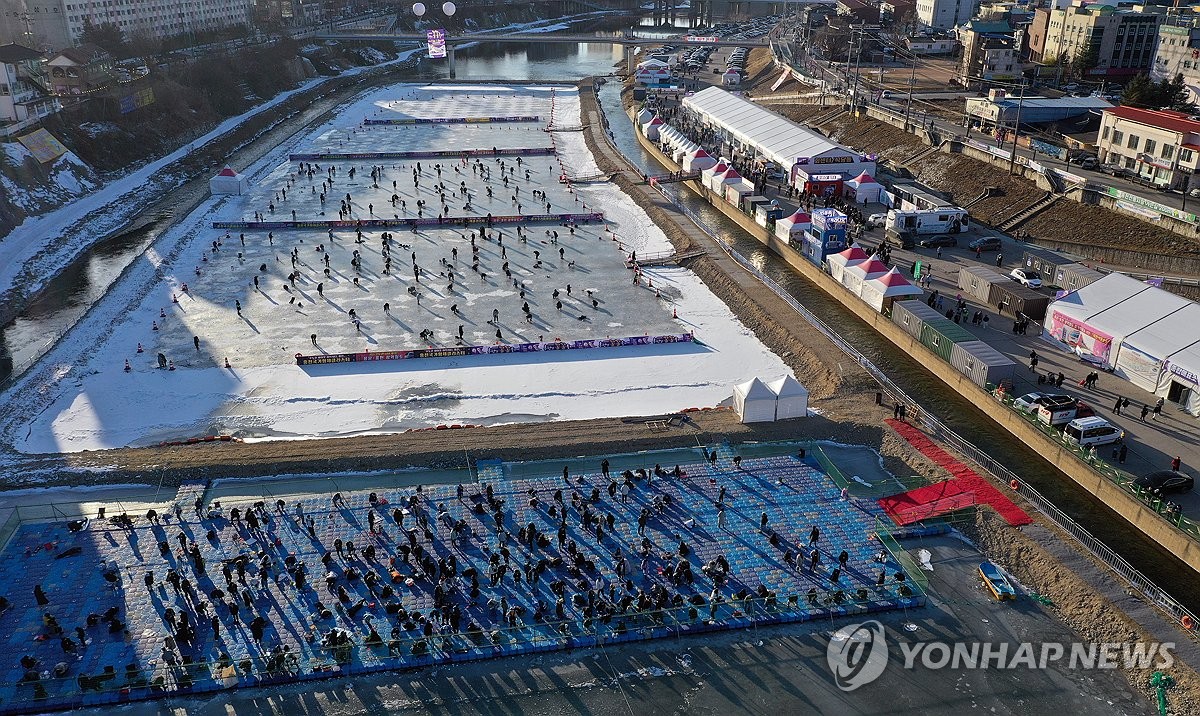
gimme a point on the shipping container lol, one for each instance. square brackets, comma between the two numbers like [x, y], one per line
[977, 281]
[940, 334]
[1074, 276]
[751, 202]
[1045, 261]
[911, 316]
[1011, 298]
[984, 365]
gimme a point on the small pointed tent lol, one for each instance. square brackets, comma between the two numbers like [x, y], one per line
[791, 398]
[706, 176]
[842, 260]
[227, 181]
[882, 291]
[754, 401]
[863, 189]
[699, 160]
[651, 129]
[853, 277]
[731, 78]
[645, 116]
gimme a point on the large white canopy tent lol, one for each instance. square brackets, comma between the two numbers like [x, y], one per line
[841, 260]
[881, 291]
[855, 276]
[772, 137]
[227, 181]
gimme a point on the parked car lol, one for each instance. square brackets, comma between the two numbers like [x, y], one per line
[876, 220]
[1056, 415]
[1116, 170]
[1026, 277]
[1165, 482]
[1030, 402]
[903, 239]
[985, 243]
[1088, 163]
[937, 240]
[1089, 431]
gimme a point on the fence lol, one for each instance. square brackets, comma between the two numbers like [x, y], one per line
[936, 428]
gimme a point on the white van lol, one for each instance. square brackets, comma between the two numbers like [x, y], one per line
[1091, 431]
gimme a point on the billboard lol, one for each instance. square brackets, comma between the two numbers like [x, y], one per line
[43, 146]
[437, 43]
[497, 349]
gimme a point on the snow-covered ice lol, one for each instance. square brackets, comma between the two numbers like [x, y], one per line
[85, 400]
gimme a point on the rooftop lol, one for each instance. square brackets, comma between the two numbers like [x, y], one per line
[1161, 118]
[17, 53]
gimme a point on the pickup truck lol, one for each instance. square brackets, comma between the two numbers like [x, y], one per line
[1059, 415]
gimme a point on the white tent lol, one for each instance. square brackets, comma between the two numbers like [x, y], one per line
[1145, 354]
[754, 401]
[840, 261]
[652, 128]
[792, 226]
[718, 181]
[791, 398]
[863, 189]
[731, 78]
[707, 175]
[653, 64]
[1180, 382]
[881, 291]
[645, 116]
[853, 277]
[1068, 320]
[227, 181]
[698, 160]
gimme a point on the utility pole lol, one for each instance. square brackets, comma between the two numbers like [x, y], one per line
[857, 65]
[1012, 159]
[912, 81]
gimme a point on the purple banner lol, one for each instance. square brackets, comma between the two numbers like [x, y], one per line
[437, 43]
[498, 349]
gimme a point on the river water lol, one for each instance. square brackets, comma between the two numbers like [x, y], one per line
[68, 296]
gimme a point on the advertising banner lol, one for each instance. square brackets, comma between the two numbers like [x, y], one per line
[1079, 336]
[498, 349]
[437, 43]
[43, 145]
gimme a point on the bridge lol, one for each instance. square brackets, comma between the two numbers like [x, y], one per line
[533, 37]
[627, 39]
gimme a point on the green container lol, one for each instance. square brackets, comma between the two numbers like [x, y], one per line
[940, 334]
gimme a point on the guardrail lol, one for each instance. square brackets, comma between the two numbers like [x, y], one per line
[1134, 577]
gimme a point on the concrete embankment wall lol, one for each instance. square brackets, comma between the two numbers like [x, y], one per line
[1121, 502]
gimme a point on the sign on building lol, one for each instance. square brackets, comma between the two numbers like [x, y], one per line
[437, 43]
[43, 146]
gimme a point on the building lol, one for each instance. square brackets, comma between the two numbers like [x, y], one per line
[40, 24]
[1178, 53]
[991, 53]
[1161, 146]
[80, 70]
[930, 45]
[859, 10]
[1107, 40]
[24, 91]
[944, 14]
[1001, 107]
[55, 24]
[752, 135]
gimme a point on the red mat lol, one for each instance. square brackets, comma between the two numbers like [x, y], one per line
[940, 498]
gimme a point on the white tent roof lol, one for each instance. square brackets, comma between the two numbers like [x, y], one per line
[893, 284]
[1137, 312]
[754, 389]
[778, 138]
[1168, 336]
[1093, 298]
[787, 387]
[868, 269]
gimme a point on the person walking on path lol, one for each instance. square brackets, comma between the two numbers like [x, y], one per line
[1122, 454]
[604, 468]
[1117, 406]
[1157, 409]
[1145, 411]
[1175, 463]
[1033, 361]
